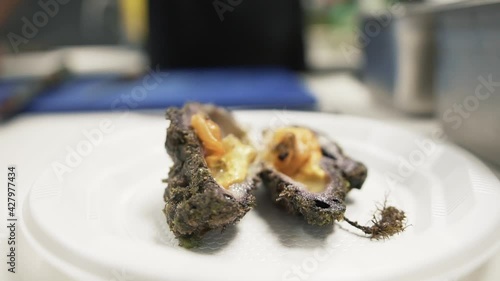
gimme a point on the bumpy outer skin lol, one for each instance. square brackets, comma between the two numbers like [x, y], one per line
[317, 208]
[354, 172]
[195, 203]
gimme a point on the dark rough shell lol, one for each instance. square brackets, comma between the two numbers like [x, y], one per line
[317, 208]
[355, 172]
[195, 202]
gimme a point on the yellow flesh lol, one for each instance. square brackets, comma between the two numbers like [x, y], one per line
[227, 158]
[296, 152]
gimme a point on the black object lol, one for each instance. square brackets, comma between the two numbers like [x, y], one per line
[218, 33]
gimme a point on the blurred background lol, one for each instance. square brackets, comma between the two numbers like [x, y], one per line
[419, 61]
[428, 66]
[421, 64]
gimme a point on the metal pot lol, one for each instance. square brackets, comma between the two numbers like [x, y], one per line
[399, 61]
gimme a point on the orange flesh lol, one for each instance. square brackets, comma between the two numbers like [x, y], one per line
[227, 158]
[209, 133]
[296, 152]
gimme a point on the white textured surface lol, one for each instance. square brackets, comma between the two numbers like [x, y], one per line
[103, 220]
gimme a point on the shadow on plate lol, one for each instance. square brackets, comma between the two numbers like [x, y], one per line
[292, 231]
[216, 240]
[348, 200]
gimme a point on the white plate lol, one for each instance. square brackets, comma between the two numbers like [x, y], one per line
[104, 221]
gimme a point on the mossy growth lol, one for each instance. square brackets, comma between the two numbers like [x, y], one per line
[386, 222]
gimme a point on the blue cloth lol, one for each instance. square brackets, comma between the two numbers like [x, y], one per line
[251, 88]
